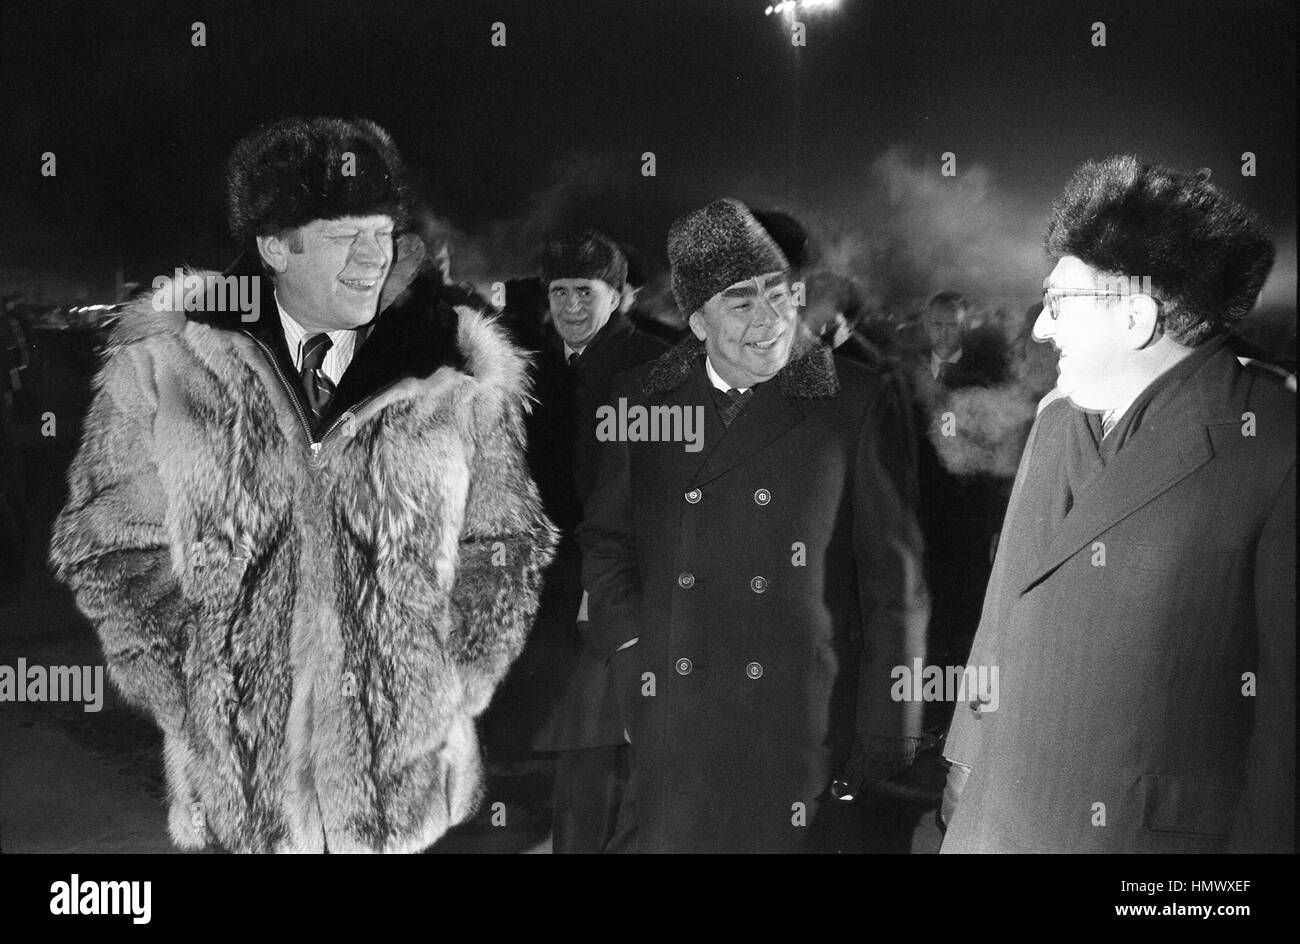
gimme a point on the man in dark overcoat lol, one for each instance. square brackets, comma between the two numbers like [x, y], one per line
[1141, 611]
[753, 573]
[593, 341]
[961, 512]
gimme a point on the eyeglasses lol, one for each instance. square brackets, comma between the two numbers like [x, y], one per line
[1052, 297]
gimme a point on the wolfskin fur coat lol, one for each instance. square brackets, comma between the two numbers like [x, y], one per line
[313, 619]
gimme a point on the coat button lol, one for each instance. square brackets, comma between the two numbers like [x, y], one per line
[694, 496]
[762, 496]
[684, 666]
[754, 670]
[758, 584]
[686, 581]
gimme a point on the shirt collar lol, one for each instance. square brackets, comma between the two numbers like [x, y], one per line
[716, 380]
[936, 361]
[295, 334]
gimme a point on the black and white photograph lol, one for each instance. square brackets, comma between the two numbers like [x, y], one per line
[649, 426]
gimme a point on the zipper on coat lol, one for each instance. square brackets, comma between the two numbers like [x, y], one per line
[293, 396]
[312, 441]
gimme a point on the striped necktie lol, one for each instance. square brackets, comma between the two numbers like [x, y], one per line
[318, 387]
[731, 406]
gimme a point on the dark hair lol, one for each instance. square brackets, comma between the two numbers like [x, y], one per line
[953, 301]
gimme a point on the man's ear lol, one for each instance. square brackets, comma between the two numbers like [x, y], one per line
[696, 321]
[615, 300]
[274, 252]
[1143, 316]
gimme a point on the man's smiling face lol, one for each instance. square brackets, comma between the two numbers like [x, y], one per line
[1087, 330]
[748, 329]
[334, 282]
[580, 308]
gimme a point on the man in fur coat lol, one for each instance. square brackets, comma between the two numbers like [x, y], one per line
[753, 572]
[302, 524]
[1141, 610]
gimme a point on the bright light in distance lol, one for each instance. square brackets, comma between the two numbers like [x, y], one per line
[790, 6]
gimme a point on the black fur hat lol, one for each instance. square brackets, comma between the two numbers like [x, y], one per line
[791, 236]
[636, 270]
[1206, 255]
[715, 247]
[589, 255]
[297, 170]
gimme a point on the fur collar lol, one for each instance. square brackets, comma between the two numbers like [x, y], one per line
[411, 339]
[808, 375]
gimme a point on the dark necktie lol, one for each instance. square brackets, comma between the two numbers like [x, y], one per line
[575, 359]
[318, 387]
[735, 402]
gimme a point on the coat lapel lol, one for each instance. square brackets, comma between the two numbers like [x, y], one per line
[1169, 448]
[767, 418]
[679, 377]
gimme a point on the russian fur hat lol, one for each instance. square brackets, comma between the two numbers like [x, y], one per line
[297, 170]
[1206, 255]
[717, 246]
[589, 255]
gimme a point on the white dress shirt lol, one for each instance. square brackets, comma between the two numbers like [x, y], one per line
[343, 344]
[937, 362]
[716, 380]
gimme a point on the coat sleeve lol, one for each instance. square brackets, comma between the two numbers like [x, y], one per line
[893, 599]
[1265, 820]
[110, 542]
[610, 574]
[899, 449]
[506, 542]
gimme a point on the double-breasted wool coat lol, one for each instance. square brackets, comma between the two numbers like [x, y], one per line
[313, 616]
[755, 596]
[1146, 642]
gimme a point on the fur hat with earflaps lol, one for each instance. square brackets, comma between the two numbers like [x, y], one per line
[589, 255]
[715, 247]
[303, 169]
[1206, 255]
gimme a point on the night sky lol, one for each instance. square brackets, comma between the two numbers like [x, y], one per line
[512, 144]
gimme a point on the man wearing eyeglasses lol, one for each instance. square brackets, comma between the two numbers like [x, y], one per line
[1142, 605]
[755, 592]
